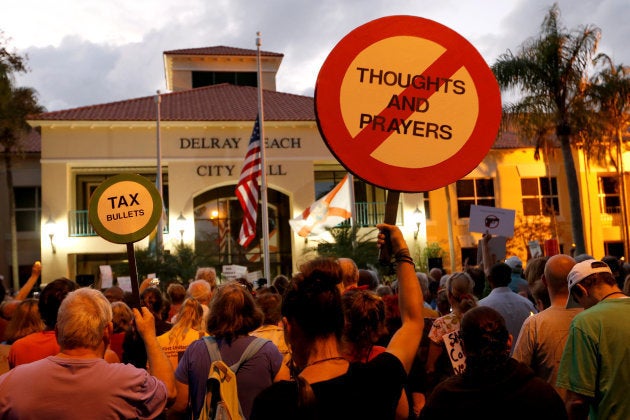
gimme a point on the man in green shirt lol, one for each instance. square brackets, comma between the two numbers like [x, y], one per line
[594, 368]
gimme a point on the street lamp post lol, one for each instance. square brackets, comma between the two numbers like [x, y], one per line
[50, 228]
[181, 225]
[418, 218]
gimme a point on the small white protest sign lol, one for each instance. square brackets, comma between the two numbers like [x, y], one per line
[492, 220]
[107, 277]
[455, 352]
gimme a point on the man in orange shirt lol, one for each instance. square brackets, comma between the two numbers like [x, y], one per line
[42, 344]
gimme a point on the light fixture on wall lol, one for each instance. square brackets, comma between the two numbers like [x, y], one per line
[418, 217]
[49, 228]
[181, 226]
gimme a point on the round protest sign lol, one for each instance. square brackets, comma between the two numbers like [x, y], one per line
[407, 104]
[125, 208]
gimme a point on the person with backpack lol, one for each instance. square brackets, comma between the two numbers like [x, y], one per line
[325, 385]
[233, 315]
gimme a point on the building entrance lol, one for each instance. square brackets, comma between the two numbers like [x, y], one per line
[218, 219]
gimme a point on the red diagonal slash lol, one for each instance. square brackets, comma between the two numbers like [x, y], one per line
[445, 66]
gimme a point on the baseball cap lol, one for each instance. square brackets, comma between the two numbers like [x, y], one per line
[514, 262]
[579, 272]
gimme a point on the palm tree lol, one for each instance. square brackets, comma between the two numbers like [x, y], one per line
[16, 103]
[608, 96]
[550, 72]
[350, 243]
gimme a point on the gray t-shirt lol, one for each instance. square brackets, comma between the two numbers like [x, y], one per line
[541, 342]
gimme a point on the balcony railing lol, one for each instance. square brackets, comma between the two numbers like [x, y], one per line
[612, 217]
[368, 214]
[79, 224]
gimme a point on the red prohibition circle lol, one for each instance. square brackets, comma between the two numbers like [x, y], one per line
[354, 151]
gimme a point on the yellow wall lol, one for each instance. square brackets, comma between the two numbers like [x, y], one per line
[70, 148]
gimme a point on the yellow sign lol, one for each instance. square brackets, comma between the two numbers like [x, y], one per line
[125, 208]
[407, 104]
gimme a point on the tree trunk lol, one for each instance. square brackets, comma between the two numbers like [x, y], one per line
[577, 225]
[451, 240]
[15, 268]
[622, 183]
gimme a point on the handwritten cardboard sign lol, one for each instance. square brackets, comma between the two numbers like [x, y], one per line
[455, 351]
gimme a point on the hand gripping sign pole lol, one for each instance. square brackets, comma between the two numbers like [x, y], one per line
[407, 104]
[125, 209]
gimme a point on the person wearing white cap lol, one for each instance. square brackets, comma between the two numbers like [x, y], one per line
[594, 367]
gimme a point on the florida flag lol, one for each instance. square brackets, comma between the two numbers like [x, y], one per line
[328, 211]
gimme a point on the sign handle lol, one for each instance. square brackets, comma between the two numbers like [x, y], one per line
[133, 273]
[391, 211]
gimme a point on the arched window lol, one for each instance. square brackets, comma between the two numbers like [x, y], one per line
[218, 219]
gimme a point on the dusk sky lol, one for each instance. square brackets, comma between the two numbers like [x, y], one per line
[84, 53]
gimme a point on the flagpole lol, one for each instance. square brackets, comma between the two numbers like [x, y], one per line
[158, 180]
[263, 169]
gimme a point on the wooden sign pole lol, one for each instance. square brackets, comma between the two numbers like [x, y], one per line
[391, 211]
[133, 273]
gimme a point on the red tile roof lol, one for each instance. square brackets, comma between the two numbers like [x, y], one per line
[224, 102]
[221, 50]
[31, 142]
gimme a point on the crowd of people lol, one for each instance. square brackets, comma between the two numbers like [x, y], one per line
[542, 339]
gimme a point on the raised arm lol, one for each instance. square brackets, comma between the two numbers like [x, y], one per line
[405, 341]
[487, 259]
[159, 365]
[24, 291]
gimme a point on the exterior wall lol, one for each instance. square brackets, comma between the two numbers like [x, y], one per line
[506, 167]
[26, 173]
[193, 167]
[598, 226]
[293, 150]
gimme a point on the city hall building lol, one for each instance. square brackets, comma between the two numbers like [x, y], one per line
[199, 131]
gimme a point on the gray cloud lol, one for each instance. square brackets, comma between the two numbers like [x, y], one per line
[79, 72]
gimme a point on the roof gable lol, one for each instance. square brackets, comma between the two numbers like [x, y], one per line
[221, 50]
[224, 102]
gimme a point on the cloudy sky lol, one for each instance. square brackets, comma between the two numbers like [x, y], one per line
[90, 52]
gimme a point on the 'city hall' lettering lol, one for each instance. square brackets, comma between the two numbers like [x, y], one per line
[228, 170]
[215, 170]
[275, 170]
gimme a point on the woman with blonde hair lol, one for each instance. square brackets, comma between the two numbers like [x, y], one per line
[187, 329]
[459, 292]
[25, 320]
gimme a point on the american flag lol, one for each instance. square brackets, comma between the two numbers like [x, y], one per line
[224, 236]
[247, 188]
